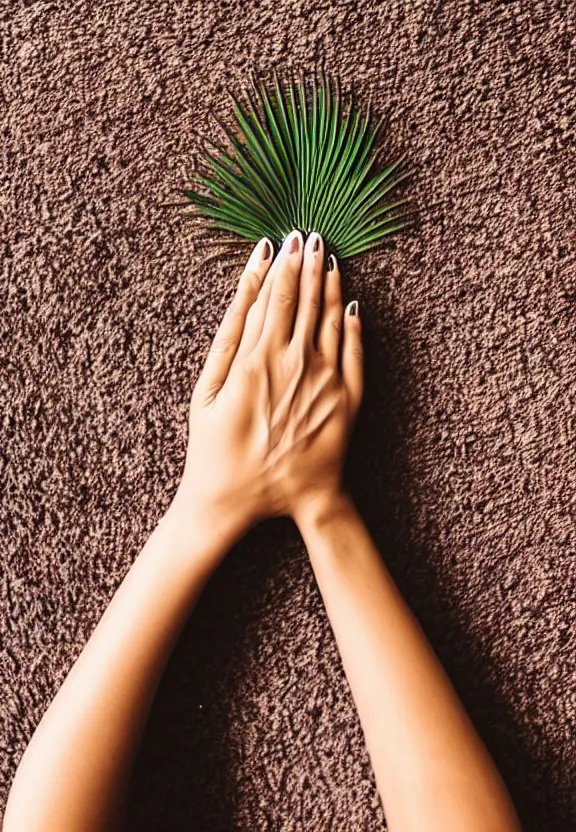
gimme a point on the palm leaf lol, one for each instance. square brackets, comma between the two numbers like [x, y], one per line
[300, 158]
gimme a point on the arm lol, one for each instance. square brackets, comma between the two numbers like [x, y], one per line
[431, 768]
[270, 418]
[74, 773]
[75, 770]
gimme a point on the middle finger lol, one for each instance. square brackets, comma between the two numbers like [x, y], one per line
[310, 298]
[279, 319]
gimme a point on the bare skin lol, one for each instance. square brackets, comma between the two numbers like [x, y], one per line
[270, 421]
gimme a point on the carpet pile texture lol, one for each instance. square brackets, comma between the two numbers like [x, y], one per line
[463, 463]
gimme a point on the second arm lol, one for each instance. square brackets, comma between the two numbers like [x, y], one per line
[432, 770]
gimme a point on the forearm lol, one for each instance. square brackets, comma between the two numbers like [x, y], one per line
[75, 770]
[431, 768]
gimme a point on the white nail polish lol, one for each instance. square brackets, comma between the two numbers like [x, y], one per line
[256, 254]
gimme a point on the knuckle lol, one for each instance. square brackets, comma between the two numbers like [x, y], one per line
[296, 359]
[336, 322]
[251, 281]
[313, 301]
[254, 366]
[223, 344]
[284, 300]
[204, 392]
[255, 362]
[236, 310]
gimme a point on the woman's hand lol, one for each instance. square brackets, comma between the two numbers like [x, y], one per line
[272, 412]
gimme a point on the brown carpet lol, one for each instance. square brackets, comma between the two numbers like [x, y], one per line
[464, 459]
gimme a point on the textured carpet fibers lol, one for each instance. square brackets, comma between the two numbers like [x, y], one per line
[464, 460]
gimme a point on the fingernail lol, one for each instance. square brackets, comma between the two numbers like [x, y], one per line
[294, 243]
[353, 309]
[331, 263]
[316, 243]
[266, 251]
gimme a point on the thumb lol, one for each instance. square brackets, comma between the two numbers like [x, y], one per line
[353, 356]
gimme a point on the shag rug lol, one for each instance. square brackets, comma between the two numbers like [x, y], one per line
[464, 458]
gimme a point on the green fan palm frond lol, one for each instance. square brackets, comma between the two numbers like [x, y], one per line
[301, 161]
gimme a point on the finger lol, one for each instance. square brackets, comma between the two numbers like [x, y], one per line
[279, 319]
[331, 325]
[256, 315]
[227, 338]
[310, 291]
[353, 356]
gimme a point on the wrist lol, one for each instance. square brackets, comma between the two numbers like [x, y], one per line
[203, 533]
[319, 510]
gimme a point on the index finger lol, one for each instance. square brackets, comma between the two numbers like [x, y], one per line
[229, 334]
